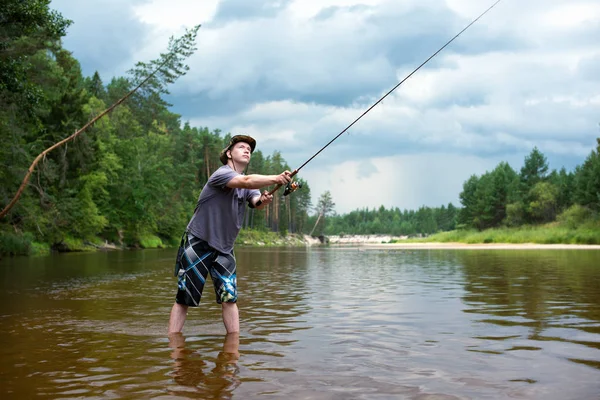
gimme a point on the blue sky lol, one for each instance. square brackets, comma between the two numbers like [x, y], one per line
[295, 73]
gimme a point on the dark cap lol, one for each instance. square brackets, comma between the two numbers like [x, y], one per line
[234, 140]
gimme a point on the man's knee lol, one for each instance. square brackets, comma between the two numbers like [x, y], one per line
[181, 307]
[229, 308]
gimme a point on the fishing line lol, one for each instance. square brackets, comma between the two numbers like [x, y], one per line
[384, 96]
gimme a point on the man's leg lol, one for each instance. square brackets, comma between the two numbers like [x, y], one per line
[177, 319]
[231, 317]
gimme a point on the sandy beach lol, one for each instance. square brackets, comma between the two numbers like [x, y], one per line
[382, 242]
[480, 246]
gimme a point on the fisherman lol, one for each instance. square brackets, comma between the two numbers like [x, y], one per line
[207, 244]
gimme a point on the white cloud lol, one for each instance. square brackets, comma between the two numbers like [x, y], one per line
[306, 9]
[174, 14]
[572, 15]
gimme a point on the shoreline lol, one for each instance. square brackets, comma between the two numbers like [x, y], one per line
[360, 242]
[403, 243]
[469, 246]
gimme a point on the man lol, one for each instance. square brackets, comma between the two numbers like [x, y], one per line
[207, 246]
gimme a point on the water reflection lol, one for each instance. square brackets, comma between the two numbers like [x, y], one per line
[318, 324]
[535, 302]
[193, 373]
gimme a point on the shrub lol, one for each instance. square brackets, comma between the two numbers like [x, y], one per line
[15, 244]
[574, 216]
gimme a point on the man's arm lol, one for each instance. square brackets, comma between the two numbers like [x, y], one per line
[256, 181]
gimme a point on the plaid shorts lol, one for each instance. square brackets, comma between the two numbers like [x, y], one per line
[195, 260]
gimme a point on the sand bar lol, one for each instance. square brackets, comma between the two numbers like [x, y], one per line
[475, 246]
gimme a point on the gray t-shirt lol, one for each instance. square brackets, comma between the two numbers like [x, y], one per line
[220, 211]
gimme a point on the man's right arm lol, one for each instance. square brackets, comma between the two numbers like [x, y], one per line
[256, 181]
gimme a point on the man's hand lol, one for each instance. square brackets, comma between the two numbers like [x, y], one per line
[265, 198]
[283, 178]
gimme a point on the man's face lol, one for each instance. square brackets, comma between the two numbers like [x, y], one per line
[241, 152]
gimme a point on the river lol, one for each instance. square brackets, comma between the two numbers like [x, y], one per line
[316, 323]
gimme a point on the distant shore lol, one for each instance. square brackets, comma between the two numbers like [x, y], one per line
[481, 246]
[399, 242]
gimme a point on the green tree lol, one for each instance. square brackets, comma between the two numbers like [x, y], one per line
[534, 170]
[468, 199]
[587, 181]
[95, 87]
[544, 203]
[27, 27]
[565, 183]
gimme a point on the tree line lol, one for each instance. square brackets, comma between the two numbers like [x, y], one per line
[533, 195]
[502, 197]
[393, 221]
[133, 178]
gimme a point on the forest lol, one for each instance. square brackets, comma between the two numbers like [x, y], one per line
[501, 198]
[133, 178]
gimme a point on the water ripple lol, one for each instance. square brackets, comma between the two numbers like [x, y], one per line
[316, 324]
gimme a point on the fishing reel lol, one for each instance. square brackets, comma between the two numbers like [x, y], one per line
[291, 187]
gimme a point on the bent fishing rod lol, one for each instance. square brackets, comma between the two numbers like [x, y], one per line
[293, 186]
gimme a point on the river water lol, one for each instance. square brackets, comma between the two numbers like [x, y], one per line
[316, 323]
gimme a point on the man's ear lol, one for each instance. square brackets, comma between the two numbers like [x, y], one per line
[228, 153]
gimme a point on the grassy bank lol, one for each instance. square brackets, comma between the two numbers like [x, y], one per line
[13, 244]
[555, 233]
[543, 234]
[249, 237]
[24, 244]
[20, 244]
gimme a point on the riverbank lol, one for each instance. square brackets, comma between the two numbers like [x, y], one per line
[23, 245]
[479, 246]
[547, 237]
[433, 242]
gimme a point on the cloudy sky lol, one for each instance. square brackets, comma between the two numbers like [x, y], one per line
[295, 73]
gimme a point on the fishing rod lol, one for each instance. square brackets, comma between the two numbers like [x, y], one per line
[293, 186]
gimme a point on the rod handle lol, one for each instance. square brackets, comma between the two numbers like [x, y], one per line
[294, 172]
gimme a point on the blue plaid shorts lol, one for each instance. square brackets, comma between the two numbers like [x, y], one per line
[195, 260]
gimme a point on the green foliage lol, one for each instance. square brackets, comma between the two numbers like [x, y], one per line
[515, 214]
[575, 216]
[503, 198]
[534, 170]
[27, 27]
[486, 198]
[70, 243]
[565, 183]
[541, 234]
[543, 205]
[15, 244]
[469, 200]
[587, 181]
[393, 221]
[39, 249]
[149, 241]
